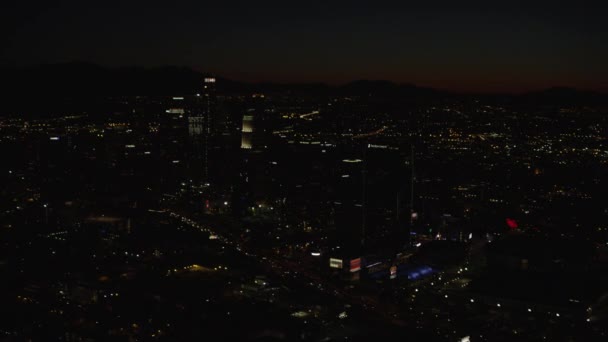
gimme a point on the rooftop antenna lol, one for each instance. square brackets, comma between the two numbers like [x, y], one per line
[413, 178]
[363, 194]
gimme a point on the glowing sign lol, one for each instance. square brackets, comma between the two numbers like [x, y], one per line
[355, 265]
[376, 146]
[393, 272]
[335, 263]
[512, 223]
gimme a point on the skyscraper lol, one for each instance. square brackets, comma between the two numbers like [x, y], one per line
[369, 201]
[349, 205]
[201, 127]
[255, 132]
[247, 132]
[253, 160]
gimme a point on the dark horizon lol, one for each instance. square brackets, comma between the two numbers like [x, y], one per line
[471, 47]
[313, 82]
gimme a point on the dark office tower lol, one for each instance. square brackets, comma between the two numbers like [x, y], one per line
[370, 201]
[201, 128]
[349, 204]
[173, 121]
[172, 144]
[387, 199]
[208, 101]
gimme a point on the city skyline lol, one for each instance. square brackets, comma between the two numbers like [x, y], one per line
[304, 171]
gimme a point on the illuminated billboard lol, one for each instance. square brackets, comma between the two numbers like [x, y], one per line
[355, 265]
[335, 263]
[393, 272]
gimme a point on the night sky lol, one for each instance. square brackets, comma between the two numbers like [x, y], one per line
[456, 45]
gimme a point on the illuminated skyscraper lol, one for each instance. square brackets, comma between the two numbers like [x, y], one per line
[256, 182]
[247, 132]
[255, 133]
